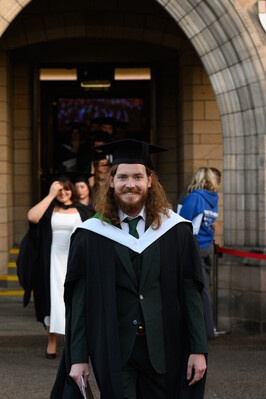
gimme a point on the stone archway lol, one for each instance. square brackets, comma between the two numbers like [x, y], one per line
[226, 41]
[226, 38]
[230, 43]
[8, 12]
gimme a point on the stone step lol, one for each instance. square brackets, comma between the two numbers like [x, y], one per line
[12, 269]
[8, 292]
[9, 284]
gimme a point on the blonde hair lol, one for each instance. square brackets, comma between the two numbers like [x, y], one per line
[204, 178]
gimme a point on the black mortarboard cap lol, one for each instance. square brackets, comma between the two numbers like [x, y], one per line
[131, 151]
[78, 178]
[100, 135]
[99, 156]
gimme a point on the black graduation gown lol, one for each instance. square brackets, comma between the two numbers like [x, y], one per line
[92, 257]
[36, 270]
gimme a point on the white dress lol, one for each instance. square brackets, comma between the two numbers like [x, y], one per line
[62, 227]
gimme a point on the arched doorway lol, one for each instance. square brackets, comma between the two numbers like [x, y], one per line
[229, 45]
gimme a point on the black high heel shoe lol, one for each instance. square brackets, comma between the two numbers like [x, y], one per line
[50, 356]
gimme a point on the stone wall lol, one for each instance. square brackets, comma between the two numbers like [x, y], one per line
[6, 162]
[201, 141]
[23, 148]
[242, 294]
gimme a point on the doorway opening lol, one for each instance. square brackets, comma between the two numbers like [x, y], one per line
[71, 114]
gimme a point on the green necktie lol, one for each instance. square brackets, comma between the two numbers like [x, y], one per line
[132, 223]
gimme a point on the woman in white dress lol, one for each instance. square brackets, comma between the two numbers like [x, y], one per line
[53, 220]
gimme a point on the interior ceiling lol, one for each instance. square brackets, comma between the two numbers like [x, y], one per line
[93, 27]
[92, 50]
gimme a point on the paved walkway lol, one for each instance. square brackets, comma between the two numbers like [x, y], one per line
[237, 363]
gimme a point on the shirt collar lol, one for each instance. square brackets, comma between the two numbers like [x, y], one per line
[123, 216]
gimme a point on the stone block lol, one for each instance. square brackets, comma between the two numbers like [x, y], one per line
[3, 262]
[22, 184]
[211, 110]
[22, 155]
[241, 294]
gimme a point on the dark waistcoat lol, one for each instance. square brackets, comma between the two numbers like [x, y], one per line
[139, 300]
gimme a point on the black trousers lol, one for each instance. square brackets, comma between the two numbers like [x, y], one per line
[206, 264]
[140, 380]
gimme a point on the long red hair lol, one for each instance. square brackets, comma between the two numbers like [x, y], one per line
[156, 203]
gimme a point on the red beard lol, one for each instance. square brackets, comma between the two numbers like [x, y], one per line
[131, 207]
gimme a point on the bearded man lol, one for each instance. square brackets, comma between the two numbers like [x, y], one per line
[133, 291]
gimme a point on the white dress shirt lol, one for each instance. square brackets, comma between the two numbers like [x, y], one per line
[141, 224]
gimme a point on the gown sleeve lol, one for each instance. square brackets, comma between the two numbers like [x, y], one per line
[78, 343]
[194, 316]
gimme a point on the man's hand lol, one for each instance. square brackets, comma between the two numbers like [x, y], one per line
[77, 371]
[196, 364]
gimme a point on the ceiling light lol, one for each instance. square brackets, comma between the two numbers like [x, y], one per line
[96, 84]
[132, 74]
[58, 74]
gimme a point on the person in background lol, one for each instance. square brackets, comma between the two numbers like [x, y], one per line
[100, 170]
[52, 220]
[68, 151]
[184, 193]
[133, 291]
[217, 175]
[104, 123]
[203, 199]
[100, 137]
[87, 151]
[83, 190]
[107, 124]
